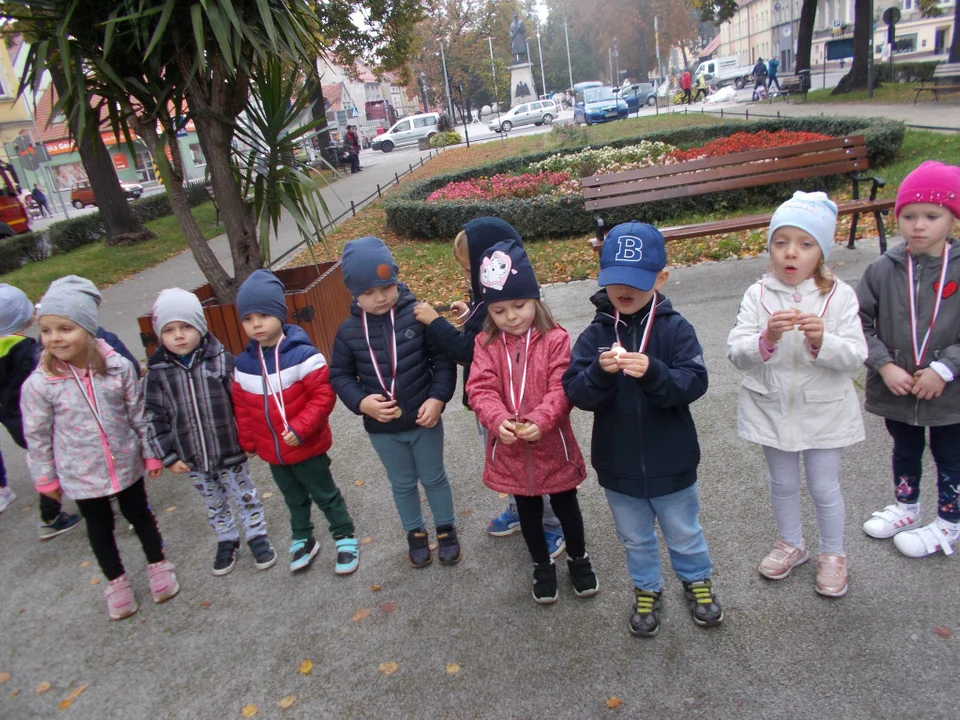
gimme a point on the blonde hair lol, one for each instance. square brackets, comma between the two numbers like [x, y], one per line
[543, 322]
[95, 359]
[823, 277]
[461, 251]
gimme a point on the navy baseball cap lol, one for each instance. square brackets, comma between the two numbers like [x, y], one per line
[633, 254]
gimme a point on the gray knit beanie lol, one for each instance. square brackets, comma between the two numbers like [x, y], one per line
[178, 305]
[15, 309]
[74, 298]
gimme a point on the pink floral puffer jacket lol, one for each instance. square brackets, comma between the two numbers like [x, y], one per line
[65, 446]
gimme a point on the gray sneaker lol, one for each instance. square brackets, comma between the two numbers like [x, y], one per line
[61, 524]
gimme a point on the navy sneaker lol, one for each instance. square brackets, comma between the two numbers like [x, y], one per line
[226, 559]
[61, 524]
[545, 583]
[703, 603]
[348, 556]
[420, 555]
[302, 553]
[264, 556]
[506, 523]
[449, 552]
[556, 543]
[645, 620]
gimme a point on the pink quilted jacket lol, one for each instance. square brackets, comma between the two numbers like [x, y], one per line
[553, 464]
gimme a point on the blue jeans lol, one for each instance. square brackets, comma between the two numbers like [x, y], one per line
[678, 514]
[411, 456]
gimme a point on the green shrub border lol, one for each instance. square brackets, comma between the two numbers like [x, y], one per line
[409, 214]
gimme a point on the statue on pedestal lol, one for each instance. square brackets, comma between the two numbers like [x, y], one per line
[518, 40]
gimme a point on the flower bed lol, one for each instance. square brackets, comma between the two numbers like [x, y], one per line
[744, 141]
[526, 185]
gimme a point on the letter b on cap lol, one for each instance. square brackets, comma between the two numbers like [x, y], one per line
[629, 249]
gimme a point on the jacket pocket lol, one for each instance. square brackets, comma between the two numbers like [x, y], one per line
[824, 396]
[757, 386]
[493, 450]
[563, 441]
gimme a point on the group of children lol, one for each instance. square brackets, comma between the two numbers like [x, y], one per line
[93, 430]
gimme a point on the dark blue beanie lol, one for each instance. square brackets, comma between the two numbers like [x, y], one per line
[506, 274]
[262, 292]
[367, 263]
[482, 234]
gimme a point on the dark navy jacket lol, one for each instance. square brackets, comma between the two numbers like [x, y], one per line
[644, 440]
[424, 371]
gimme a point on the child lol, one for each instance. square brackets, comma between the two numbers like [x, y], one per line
[515, 389]
[386, 368]
[911, 317]
[86, 437]
[637, 367]
[192, 429]
[283, 400]
[478, 236]
[798, 336]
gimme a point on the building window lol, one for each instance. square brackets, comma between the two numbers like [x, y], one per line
[906, 44]
[196, 152]
[908, 4]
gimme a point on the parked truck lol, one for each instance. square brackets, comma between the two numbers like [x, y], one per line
[725, 70]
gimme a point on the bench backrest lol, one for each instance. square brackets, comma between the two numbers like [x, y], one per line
[754, 168]
[947, 70]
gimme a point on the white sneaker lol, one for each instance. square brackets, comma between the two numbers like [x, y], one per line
[891, 520]
[7, 496]
[938, 535]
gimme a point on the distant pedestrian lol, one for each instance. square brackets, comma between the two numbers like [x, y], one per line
[773, 67]
[41, 199]
[759, 79]
[352, 142]
[686, 84]
[702, 88]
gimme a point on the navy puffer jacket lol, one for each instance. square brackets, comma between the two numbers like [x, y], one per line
[424, 371]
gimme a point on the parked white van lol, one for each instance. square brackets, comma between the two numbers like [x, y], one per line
[408, 131]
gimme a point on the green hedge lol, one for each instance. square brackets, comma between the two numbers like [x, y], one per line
[906, 72]
[408, 213]
[17, 251]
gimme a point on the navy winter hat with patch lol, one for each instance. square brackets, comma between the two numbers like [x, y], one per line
[633, 254]
[367, 263]
[262, 292]
[506, 274]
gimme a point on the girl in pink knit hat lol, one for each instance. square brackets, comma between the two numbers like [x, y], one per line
[910, 309]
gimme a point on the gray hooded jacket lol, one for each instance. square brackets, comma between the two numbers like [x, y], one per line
[885, 314]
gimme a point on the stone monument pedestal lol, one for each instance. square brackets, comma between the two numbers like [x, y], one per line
[521, 76]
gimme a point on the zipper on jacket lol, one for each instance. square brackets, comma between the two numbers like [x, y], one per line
[918, 268]
[639, 396]
[196, 411]
[566, 453]
[266, 410]
[104, 441]
[493, 450]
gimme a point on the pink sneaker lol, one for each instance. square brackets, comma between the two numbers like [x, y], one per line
[163, 581]
[120, 600]
[832, 578]
[781, 561]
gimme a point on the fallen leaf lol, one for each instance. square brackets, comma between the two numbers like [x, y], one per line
[306, 667]
[68, 700]
[358, 483]
[376, 588]
[14, 693]
[94, 581]
[287, 702]
[502, 496]
[944, 632]
[207, 603]
[464, 513]
[367, 540]
[43, 687]
[171, 509]
[388, 607]
[85, 564]
[452, 668]
[361, 614]
[267, 495]
[248, 711]
[388, 668]
[5, 676]
[613, 702]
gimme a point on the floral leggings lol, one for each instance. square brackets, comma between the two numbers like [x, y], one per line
[909, 442]
[231, 483]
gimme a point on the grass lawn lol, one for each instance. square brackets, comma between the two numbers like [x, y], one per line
[430, 270]
[107, 265]
[886, 94]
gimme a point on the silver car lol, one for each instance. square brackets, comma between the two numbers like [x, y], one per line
[538, 112]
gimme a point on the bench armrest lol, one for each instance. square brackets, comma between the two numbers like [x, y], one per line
[857, 178]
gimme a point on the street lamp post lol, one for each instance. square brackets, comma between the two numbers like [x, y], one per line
[423, 91]
[543, 78]
[569, 65]
[446, 80]
[466, 134]
[496, 92]
[616, 62]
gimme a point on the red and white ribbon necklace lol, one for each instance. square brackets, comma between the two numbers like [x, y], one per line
[517, 402]
[95, 404]
[823, 310]
[277, 394]
[646, 331]
[393, 357]
[919, 352]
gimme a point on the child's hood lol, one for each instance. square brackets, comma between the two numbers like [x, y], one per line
[293, 336]
[898, 254]
[482, 234]
[606, 312]
[208, 348]
[405, 297]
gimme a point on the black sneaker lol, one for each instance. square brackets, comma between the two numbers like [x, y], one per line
[545, 583]
[449, 552]
[645, 621]
[264, 556]
[58, 526]
[227, 551]
[703, 603]
[420, 555]
[584, 579]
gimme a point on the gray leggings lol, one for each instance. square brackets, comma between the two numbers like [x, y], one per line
[822, 468]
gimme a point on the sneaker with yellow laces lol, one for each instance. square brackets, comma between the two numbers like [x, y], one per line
[645, 621]
[703, 603]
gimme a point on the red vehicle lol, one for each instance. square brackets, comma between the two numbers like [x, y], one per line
[13, 215]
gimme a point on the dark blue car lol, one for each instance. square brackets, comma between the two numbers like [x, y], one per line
[596, 105]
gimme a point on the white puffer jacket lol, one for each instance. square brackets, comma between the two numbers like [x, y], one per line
[796, 401]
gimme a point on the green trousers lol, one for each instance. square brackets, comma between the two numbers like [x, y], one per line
[311, 480]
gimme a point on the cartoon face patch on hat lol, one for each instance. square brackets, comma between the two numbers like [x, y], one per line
[495, 270]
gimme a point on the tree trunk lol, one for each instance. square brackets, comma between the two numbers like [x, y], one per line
[808, 17]
[955, 44]
[857, 78]
[120, 224]
[643, 71]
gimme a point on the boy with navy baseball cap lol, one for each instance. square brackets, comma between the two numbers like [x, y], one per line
[637, 367]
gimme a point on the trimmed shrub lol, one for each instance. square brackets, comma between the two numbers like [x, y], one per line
[152, 207]
[68, 235]
[537, 218]
[569, 135]
[907, 72]
[17, 251]
[443, 139]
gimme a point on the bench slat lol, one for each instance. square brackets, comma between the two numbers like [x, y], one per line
[721, 160]
[839, 168]
[755, 170]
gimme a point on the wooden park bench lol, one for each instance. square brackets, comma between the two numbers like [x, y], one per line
[946, 78]
[791, 85]
[755, 168]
